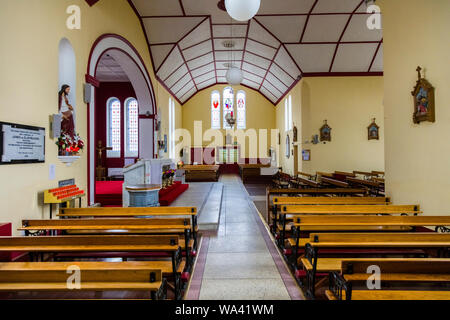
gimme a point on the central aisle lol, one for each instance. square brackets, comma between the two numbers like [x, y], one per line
[240, 261]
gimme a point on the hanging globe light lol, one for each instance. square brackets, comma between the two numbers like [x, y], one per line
[234, 76]
[242, 10]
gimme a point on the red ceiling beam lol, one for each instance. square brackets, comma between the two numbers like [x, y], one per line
[182, 7]
[91, 2]
[264, 78]
[307, 20]
[375, 55]
[342, 35]
[213, 45]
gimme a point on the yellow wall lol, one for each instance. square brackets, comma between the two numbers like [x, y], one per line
[417, 156]
[30, 32]
[296, 95]
[260, 115]
[348, 104]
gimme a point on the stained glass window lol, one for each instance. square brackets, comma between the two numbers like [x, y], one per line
[215, 110]
[240, 102]
[228, 105]
[131, 128]
[113, 127]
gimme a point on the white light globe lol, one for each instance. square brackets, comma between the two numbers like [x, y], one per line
[242, 10]
[234, 76]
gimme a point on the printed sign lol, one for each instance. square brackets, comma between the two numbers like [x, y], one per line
[21, 144]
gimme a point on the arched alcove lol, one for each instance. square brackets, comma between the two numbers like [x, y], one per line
[67, 71]
[128, 58]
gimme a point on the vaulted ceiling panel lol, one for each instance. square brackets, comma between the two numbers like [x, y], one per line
[354, 57]
[288, 31]
[326, 28]
[258, 60]
[228, 30]
[205, 84]
[205, 76]
[193, 42]
[173, 62]
[167, 30]
[200, 61]
[198, 35]
[357, 30]
[199, 71]
[340, 6]
[198, 50]
[258, 33]
[158, 7]
[227, 55]
[286, 6]
[313, 58]
[181, 83]
[175, 76]
[260, 49]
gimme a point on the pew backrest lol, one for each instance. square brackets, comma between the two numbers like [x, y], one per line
[351, 209]
[127, 212]
[330, 200]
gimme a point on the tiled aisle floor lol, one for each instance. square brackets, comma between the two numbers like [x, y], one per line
[240, 262]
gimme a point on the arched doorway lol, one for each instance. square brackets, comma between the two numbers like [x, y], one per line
[131, 63]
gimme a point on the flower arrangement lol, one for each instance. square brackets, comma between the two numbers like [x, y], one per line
[68, 145]
[180, 164]
[168, 177]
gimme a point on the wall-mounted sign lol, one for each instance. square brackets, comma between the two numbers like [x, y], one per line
[21, 144]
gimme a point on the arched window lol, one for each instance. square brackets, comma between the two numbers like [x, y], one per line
[171, 128]
[288, 114]
[215, 110]
[228, 105]
[131, 128]
[113, 127]
[240, 102]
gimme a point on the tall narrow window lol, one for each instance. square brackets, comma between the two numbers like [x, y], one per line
[215, 110]
[288, 114]
[171, 128]
[131, 128]
[113, 116]
[240, 101]
[228, 105]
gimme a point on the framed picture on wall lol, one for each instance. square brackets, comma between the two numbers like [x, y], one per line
[306, 155]
[373, 131]
[423, 94]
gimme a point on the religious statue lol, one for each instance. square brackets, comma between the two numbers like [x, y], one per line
[325, 132]
[66, 111]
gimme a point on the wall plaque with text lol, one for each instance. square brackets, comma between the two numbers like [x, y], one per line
[21, 144]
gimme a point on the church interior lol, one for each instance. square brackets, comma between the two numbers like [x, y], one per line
[225, 150]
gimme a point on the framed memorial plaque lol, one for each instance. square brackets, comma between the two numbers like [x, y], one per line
[21, 144]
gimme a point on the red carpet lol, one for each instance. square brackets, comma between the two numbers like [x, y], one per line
[169, 195]
[109, 193]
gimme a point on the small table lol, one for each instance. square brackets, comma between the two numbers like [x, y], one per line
[144, 195]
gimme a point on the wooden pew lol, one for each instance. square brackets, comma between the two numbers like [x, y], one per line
[368, 244]
[251, 172]
[313, 224]
[118, 246]
[311, 192]
[181, 227]
[414, 273]
[306, 175]
[201, 172]
[375, 187]
[290, 211]
[154, 212]
[95, 276]
[334, 182]
[280, 201]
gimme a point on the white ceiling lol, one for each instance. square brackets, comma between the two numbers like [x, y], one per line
[108, 70]
[288, 39]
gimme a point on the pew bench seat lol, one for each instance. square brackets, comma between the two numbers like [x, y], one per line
[393, 295]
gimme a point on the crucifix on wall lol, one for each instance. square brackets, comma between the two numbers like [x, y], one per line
[100, 170]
